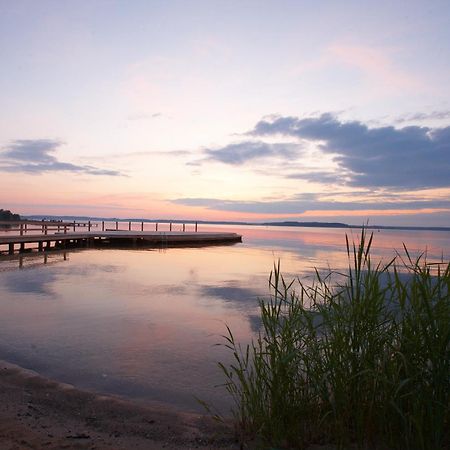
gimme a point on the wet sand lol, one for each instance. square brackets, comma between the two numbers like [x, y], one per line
[38, 413]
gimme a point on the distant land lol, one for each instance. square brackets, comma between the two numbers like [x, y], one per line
[212, 222]
[6, 214]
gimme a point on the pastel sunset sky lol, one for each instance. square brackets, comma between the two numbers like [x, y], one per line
[253, 110]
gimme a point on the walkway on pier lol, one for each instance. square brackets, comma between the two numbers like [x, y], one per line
[11, 244]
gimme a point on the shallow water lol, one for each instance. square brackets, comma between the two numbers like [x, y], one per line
[144, 323]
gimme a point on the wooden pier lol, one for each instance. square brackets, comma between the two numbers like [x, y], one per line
[44, 241]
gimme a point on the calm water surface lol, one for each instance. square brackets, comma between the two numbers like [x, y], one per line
[144, 323]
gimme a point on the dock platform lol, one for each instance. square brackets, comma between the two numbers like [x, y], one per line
[116, 238]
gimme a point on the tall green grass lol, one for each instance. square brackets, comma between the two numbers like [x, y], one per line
[364, 363]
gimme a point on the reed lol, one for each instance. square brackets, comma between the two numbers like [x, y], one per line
[359, 363]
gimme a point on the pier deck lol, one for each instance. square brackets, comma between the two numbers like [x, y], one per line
[113, 238]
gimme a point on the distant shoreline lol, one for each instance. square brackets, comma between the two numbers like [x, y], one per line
[256, 224]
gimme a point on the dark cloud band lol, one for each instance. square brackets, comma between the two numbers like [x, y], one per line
[412, 157]
[36, 157]
[250, 151]
[309, 202]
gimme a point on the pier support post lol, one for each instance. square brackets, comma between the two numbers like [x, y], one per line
[156, 226]
[196, 227]
[74, 226]
[22, 247]
[89, 225]
[25, 229]
[170, 226]
[11, 249]
[48, 245]
[117, 225]
[40, 246]
[184, 227]
[21, 229]
[103, 225]
[129, 226]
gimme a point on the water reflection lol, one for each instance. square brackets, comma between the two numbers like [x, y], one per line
[143, 323]
[234, 294]
[35, 283]
[25, 260]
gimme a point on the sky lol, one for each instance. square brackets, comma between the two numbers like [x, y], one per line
[227, 110]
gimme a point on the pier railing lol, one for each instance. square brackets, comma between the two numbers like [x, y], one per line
[45, 227]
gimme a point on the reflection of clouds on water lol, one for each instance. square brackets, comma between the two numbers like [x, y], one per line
[90, 269]
[163, 289]
[240, 298]
[291, 245]
[231, 293]
[148, 320]
[255, 322]
[29, 282]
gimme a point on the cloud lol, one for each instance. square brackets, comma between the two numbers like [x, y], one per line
[32, 150]
[377, 64]
[317, 176]
[376, 69]
[415, 117]
[174, 153]
[144, 116]
[243, 152]
[412, 157]
[35, 156]
[302, 203]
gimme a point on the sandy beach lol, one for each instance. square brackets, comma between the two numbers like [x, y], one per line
[38, 413]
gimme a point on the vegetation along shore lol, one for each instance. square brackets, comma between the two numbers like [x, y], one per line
[360, 363]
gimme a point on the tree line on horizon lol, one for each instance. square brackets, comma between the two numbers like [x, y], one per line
[6, 214]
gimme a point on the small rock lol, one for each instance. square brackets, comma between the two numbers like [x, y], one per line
[78, 436]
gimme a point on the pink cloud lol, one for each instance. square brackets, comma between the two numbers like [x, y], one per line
[376, 64]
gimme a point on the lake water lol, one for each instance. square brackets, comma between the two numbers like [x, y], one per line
[144, 323]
